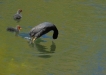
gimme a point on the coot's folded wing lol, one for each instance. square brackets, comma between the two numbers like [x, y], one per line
[11, 29]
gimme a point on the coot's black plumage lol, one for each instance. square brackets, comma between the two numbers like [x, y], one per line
[42, 29]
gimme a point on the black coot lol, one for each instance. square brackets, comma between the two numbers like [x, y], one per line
[42, 29]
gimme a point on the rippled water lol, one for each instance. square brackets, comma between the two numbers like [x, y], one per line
[79, 50]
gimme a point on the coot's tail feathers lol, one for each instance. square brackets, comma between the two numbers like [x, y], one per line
[10, 29]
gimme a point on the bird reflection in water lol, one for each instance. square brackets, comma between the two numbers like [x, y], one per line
[42, 49]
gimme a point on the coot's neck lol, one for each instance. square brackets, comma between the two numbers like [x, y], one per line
[55, 34]
[17, 29]
[18, 12]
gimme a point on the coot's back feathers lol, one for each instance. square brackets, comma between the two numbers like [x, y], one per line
[42, 29]
[18, 15]
[11, 29]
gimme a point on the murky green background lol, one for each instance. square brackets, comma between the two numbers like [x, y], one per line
[79, 50]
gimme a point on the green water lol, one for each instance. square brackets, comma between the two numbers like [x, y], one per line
[79, 50]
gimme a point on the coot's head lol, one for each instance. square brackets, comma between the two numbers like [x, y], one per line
[18, 27]
[20, 10]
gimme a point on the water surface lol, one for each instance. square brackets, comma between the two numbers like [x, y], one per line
[79, 50]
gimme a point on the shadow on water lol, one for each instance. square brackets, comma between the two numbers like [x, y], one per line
[53, 47]
[42, 49]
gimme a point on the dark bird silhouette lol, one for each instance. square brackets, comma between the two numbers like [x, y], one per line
[16, 29]
[42, 29]
[43, 50]
[18, 15]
